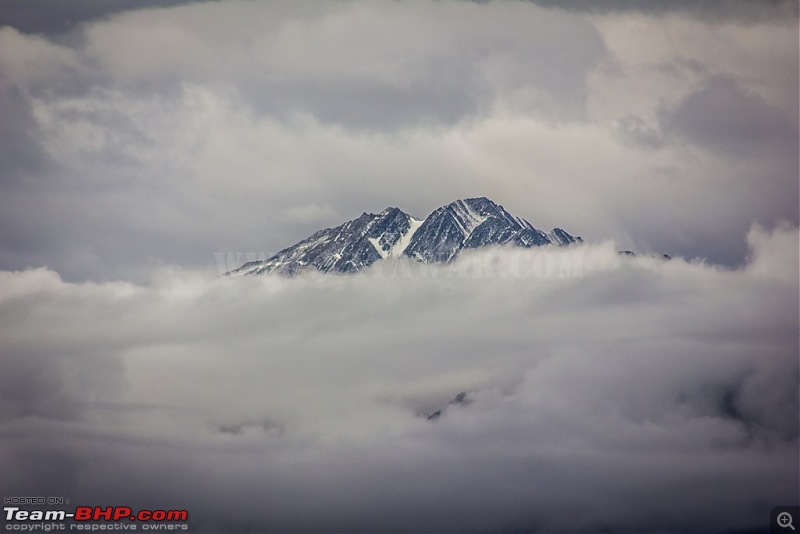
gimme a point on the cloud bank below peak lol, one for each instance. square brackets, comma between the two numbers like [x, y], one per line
[646, 394]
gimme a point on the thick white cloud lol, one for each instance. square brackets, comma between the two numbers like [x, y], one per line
[606, 392]
[603, 392]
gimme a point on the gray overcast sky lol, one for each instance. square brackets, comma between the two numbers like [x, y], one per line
[135, 137]
[606, 393]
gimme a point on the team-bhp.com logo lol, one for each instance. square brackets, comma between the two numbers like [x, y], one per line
[87, 518]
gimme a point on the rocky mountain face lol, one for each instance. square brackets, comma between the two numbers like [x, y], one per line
[475, 223]
[357, 244]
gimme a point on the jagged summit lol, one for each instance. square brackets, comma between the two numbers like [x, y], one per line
[473, 223]
[346, 248]
[352, 246]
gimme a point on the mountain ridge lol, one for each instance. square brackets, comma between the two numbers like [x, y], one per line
[439, 238]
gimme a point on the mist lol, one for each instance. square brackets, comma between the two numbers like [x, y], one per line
[604, 392]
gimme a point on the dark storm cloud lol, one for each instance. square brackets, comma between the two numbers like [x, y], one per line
[44, 16]
[740, 11]
[349, 66]
[20, 152]
[724, 117]
[630, 394]
[724, 120]
[730, 122]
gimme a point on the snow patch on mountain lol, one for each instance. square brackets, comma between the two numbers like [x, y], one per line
[403, 242]
[466, 217]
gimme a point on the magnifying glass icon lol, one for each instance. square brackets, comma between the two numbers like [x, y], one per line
[785, 520]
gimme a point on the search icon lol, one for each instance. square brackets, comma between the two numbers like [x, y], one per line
[785, 520]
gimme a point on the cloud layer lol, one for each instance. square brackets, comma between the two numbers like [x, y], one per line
[159, 136]
[606, 392]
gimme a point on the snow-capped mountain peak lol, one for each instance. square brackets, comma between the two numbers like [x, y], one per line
[439, 238]
[474, 223]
